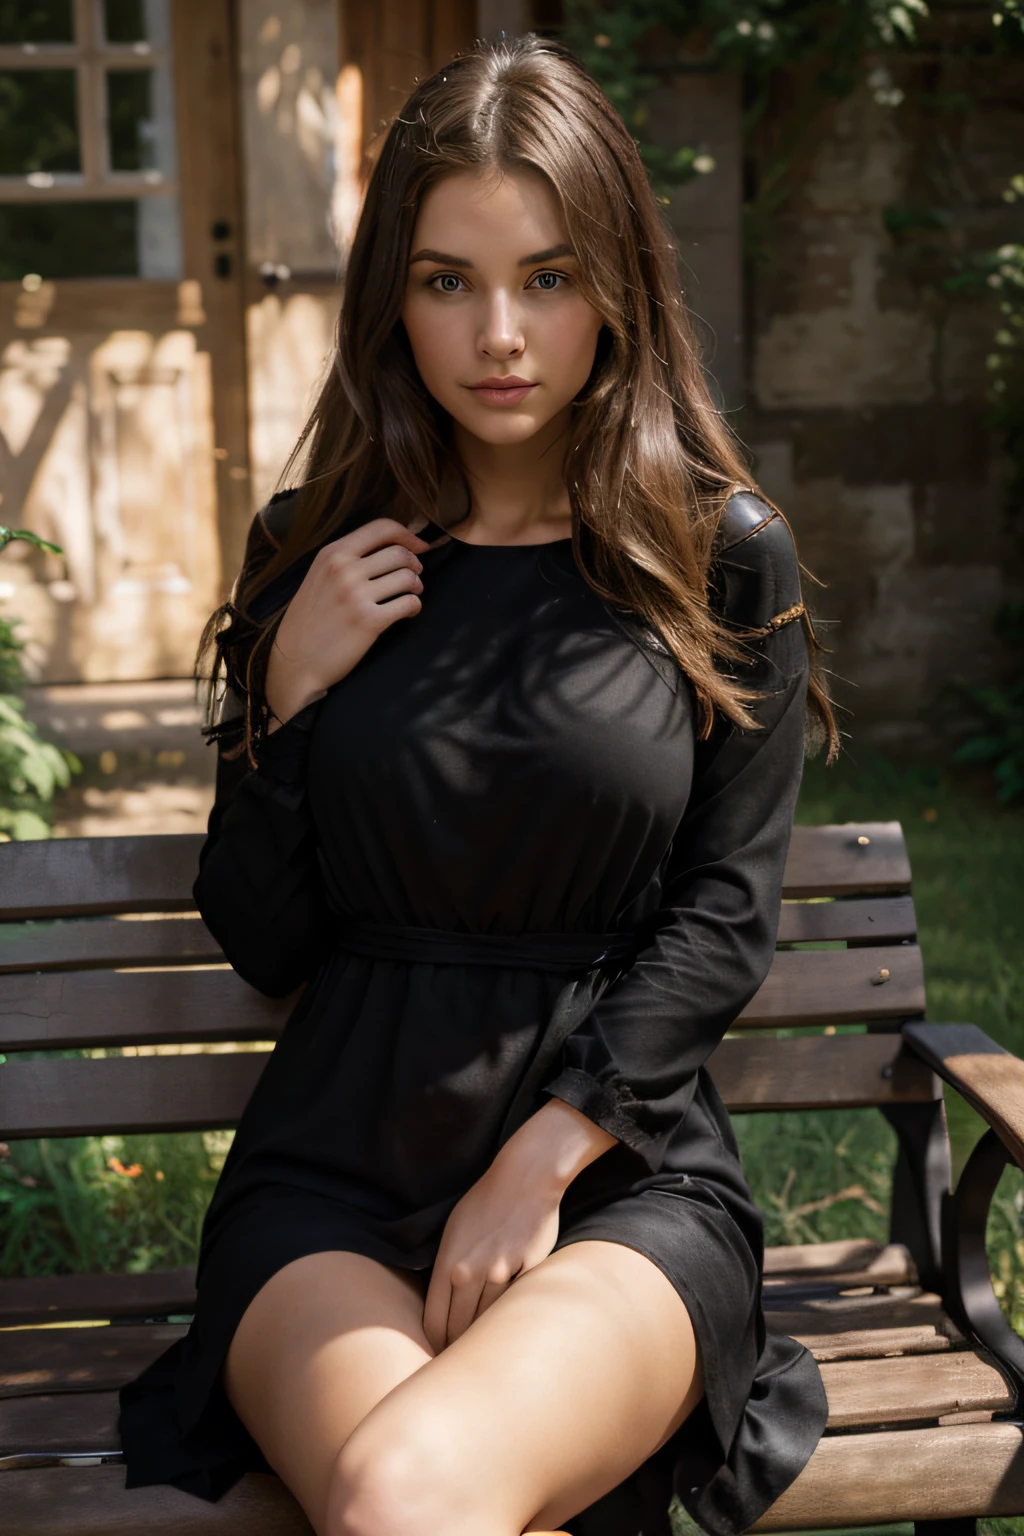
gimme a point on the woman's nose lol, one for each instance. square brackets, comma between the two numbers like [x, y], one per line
[502, 333]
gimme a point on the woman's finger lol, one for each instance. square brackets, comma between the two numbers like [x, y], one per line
[393, 583]
[465, 1303]
[436, 1308]
[393, 557]
[490, 1293]
[383, 530]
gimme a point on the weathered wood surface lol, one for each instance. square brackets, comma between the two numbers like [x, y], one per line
[91, 943]
[818, 1071]
[53, 1010]
[84, 943]
[847, 860]
[912, 1389]
[986, 1075]
[203, 1091]
[910, 1474]
[43, 1360]
[123, 1095]
[56, 1009]
[76, 876]
[864, 920]
[851, 1260]
[65, 1298]
[832, 1314]
[875, 1343]
[94, 1502]
[73, 876]
[838, 986]
[61, 1421]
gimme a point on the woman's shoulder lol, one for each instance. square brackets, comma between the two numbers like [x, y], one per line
[756, 574]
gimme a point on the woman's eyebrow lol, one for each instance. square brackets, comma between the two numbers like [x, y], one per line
[445, 259]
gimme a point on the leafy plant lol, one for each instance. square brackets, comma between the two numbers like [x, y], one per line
[1000, 740]
[31, 769]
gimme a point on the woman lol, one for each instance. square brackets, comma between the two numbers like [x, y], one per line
[524, 675]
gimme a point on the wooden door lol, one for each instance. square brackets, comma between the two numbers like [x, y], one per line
[122, 381]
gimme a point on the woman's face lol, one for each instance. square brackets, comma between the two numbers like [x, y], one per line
[502, 336]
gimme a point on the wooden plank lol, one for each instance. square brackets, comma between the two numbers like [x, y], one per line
[71, 1421]
[911, 1390]
[40, 1360]
[41, 1504]
[60, 1009]
[73, 876]
[48, 1009]
[841, 986]
[856, 1259]
[818, 1315]
[986, 1075]
[63, 1298]
[911, 1474]
[863, 920]
[875, 1343]
[126, 1094]
[853, 859]
[818, 1072]
[90, 943]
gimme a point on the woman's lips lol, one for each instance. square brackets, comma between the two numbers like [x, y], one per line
[502, 392]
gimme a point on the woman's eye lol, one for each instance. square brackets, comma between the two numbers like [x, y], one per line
[548, 281]
[447, 282]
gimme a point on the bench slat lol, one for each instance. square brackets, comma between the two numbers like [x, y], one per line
[91, 943]
[823, 1315]
[57, 1009]
[910, 1474]
[53, 1010]
[864, 920]
[876, 1343]
[209, 1091]
[35, 1360]
[817, 1072]
[63, 1298]
[74, 876]
[61, 1421]
[856, 1260]
[840, 986]
[94, 1502]
[913, 1389]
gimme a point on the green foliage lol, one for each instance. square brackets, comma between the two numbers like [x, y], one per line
[1000, 708]
[130, 1203]
[628, 47]
[31, 769]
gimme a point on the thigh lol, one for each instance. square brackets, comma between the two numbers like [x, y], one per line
[572, 1379]
[325, 1340]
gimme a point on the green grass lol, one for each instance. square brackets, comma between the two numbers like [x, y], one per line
[64, 1206]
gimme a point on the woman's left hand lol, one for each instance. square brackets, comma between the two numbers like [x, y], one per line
[507, 1222]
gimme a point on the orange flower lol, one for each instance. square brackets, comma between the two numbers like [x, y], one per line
[131, 1172]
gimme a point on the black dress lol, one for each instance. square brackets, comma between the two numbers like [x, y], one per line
[505, 868]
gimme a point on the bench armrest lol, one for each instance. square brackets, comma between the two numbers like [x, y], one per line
[990, 1078]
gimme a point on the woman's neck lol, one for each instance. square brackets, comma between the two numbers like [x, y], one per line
[518, 490]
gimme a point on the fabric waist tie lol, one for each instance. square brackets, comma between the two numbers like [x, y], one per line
[563, 953]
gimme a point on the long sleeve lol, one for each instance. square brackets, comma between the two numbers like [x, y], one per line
[631, 1067]
[259, 887]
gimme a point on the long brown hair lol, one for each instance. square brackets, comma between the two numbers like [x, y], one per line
[649, 464]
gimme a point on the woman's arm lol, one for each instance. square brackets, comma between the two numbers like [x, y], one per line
[631, 1068]
[259, 887]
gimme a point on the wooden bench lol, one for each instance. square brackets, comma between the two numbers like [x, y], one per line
[922, 1373]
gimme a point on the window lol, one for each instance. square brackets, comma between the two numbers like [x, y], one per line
[88, 161]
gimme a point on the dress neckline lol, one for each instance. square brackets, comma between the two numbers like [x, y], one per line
[466, 543]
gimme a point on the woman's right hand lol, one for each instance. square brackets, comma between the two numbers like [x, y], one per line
[357, 587]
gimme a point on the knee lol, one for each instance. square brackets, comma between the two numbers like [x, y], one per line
[392, 1479]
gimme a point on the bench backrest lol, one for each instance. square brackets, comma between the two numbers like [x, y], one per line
[100, 948]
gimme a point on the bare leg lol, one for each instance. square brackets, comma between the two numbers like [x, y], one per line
[572, 1379]
[323, 1341]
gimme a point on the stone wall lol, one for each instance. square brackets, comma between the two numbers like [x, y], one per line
[866, 377]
